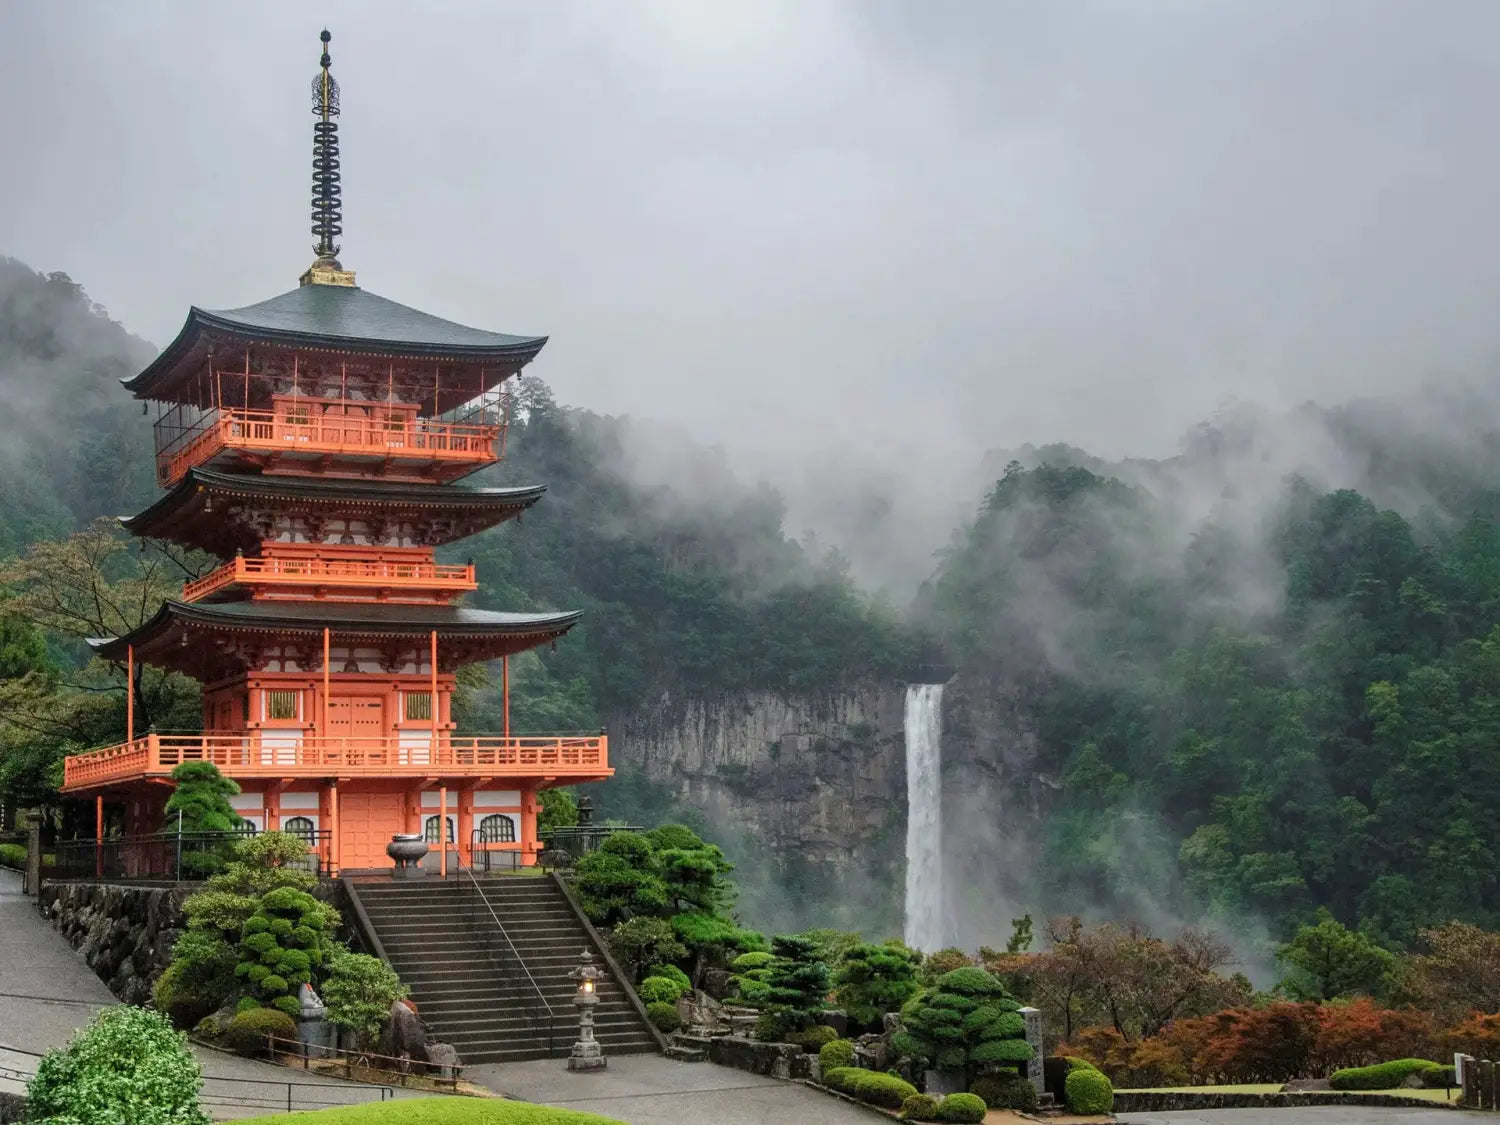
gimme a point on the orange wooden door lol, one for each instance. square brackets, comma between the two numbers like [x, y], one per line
[361, 720]
[366, 822]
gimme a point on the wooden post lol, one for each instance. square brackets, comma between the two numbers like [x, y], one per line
[505, 691]
[442, 831]
[335, 851]
[323, 721]
[130, 693]
[99, 836]
[433, 710]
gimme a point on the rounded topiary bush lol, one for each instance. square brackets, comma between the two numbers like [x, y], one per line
[672, 973]
[248, 1030]
[813, 1038]
[658, 990]
[919, 1107]
[1005, 1091]
[664, 1016]
[831, 1056]
[885, 1090]
[1381, 1076]
[747, 961]
[770, 1027]
[127, 1066]
[1087, 1090]
[962, 1107]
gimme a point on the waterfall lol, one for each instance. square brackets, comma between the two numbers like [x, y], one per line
[926, 910]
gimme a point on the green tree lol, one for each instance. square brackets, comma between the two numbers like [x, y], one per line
[358, 991]
[1327, 960]
[127, 1067]
[876, 979]
[966, 1021]
[200, 803]
[796, 983]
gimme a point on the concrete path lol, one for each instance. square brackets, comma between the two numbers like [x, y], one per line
[47, 993]
[650, 1090]
[1315, 1115]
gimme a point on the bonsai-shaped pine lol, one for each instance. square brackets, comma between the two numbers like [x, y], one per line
[202, 798]
[796, 984]
[127, 1067]
[260, 864]
[875, 979]
[620, 881]
[281, 944]
[967, 1021]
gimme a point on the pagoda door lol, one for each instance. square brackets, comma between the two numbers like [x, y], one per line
[359, 719]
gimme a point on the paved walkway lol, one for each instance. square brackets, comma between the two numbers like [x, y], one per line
[47, 993]
[1315, 1115]
[650, 1090]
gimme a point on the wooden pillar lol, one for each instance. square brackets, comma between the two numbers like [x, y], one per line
[465, 826]
[130, 693]
[335, 850]
[442, 820]
[433, 710]
[505, 691]
[99, 836]
[528, 827]
[323, 720]
[413, 811]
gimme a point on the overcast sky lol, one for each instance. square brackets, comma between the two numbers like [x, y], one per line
[804, 229]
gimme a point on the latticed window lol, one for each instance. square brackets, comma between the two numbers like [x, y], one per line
[281, 704]
[497, 829]
[430, 830]
[418, 705]
[302, 827]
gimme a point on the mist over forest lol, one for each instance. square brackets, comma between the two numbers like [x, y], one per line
[1241, 660]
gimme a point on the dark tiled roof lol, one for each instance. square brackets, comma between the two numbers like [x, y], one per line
[343, 618]
[348, 318]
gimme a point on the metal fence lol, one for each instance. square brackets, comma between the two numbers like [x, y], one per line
[180, 857]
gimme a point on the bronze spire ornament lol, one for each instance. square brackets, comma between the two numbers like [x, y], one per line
[327, 204]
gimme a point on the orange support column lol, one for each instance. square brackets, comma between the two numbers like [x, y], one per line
[433, 710]
[442, 820]
[335, 851]
[130, 693]
[466, 824]
[528, 827]
[505, 691]
[323, 721]
[99, 837]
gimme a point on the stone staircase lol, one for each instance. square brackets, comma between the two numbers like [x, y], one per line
[433, 942]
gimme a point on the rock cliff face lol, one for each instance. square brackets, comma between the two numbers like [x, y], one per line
[816, 782]
[996, 789]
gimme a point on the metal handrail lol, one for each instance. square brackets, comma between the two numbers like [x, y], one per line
[476, 891]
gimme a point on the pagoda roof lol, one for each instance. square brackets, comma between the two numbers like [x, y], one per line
[341, 318]
[449, 511]
[193, 637]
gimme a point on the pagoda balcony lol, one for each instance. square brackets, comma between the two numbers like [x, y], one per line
[292, 755]
[439, 581]
[403, 446]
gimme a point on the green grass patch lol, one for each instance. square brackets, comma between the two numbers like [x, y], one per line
[439, 1111]
[1274, 1088]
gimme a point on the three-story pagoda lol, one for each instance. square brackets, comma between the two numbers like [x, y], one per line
[311, 442]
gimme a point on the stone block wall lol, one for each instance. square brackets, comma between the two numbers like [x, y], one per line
[125, 933]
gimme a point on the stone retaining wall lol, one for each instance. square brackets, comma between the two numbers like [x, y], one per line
[125, 933]
[776, 1060]
[12, 1108]
[1165, 1101]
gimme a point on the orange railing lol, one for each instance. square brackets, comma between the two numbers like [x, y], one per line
[332, 572]
[407, 439]
[280, 753]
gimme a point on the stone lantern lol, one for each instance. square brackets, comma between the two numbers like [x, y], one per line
[586, 1053]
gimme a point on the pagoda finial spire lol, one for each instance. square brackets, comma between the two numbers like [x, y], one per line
[327, 206]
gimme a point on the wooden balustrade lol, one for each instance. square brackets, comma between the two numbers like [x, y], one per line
[393, 438]
[364, 573]
[281, 753]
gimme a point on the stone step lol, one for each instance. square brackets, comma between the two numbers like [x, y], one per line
[686, 1054]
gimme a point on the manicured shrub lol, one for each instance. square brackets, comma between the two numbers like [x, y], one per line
[658, 990]
[13, 855]
[127, 1067]
[643, 941]
[1087, 1090]
[671, 972]
[440, 1111]
[967, 1021]
[884, 1090]
[1005, 1091]
[286, 934]
[247, 1031]
[357, 989]
[919, 1107]
[770, 1027]
[875, 979]
[1381, 1076]
[798, 981]
[835, 1054]
[812, 1039]
[943, 961]
[200, 979]
[1055, 1071]
[747, 961]
[664, 1016]
[964, 1108]
[1440, 1077]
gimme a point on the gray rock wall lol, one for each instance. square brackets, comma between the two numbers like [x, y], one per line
[125, 934]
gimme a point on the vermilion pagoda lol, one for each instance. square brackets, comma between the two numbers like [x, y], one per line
[310, 442]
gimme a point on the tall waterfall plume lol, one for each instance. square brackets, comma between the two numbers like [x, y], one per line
[926, 925]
